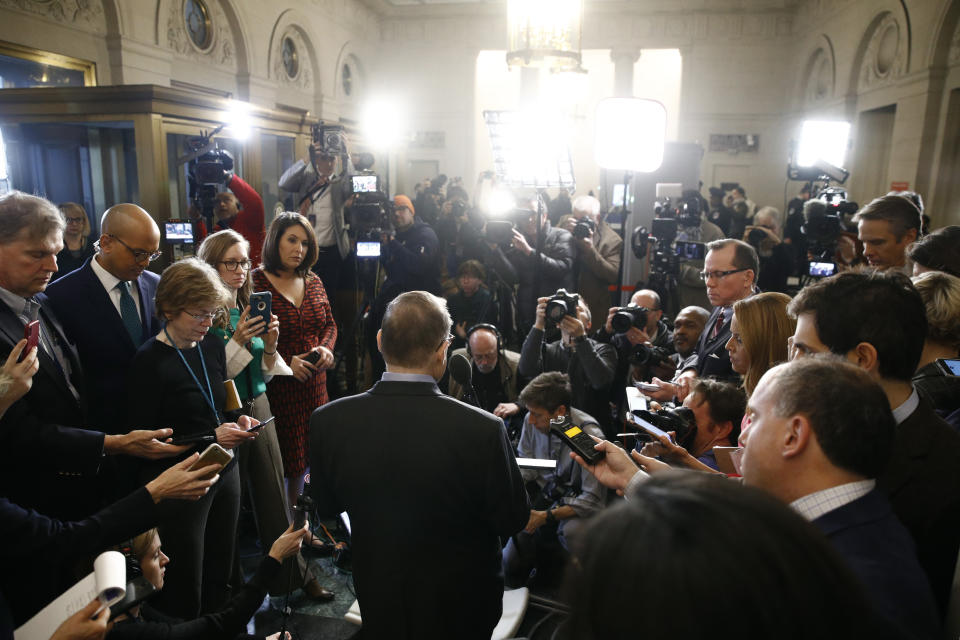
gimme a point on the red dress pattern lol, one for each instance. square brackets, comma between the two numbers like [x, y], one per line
[293, 401]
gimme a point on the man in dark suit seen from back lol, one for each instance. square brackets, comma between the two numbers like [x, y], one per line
[815, 448]
[877, 320]
[429, 482]
[107, 309]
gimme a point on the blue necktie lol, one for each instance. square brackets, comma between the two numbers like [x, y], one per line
[129, 315]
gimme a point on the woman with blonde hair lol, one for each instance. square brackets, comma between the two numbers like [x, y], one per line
[77, 243]
[759, 334]
[252, 361]
[177, 380]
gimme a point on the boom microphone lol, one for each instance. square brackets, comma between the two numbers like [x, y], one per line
[461, 371]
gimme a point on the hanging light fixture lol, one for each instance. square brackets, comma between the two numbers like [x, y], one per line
[544, 33]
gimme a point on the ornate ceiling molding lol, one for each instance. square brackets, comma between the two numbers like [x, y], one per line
[221, 50]
[87, 15]
[885, 58]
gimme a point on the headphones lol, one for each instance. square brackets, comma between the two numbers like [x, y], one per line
[134, 570]
[488, 327]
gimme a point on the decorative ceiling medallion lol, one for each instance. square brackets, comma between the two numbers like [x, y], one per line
[196, 19]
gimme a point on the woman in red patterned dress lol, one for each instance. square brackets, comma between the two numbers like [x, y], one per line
[307, 336]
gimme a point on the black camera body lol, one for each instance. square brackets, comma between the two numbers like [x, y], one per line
[584, 228]
[824, 222]
[645, 355]
[755, 237]
[629, 316]
[499, 231]
[207, 172]
[680, 420]
[562, 304]
[329, 137]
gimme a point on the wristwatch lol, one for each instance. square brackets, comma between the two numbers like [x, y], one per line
[550, 518]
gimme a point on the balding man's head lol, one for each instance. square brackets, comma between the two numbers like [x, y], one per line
[687, 328]
[483, 349]
[128, 237]
[649, 299]
[415, 327]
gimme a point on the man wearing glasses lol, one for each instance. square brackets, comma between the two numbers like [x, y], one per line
[51, 452]
[107, 310]
[730, 271]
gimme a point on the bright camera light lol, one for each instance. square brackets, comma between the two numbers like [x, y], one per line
[498, 202]
[823, 140]
[630, 134]
[383, 123]
[238, 120]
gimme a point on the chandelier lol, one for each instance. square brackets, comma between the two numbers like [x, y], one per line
[544, 33]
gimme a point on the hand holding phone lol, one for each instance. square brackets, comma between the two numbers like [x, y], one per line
[31, 333]
[262, 424]
[212, 456]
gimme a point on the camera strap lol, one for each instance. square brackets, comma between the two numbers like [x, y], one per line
[208, 394]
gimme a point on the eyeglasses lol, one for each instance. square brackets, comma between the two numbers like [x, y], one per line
[717, 275]
[75, 220]
[201, 317]
[138, 254]
[446, 340]
[233, 265]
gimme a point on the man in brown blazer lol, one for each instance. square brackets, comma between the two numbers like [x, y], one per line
[598, 255]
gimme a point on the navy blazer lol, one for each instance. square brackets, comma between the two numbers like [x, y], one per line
[922, 482]
[431, 486]
[881, 553]
[713, 360]
[93, 324]
[44, 452]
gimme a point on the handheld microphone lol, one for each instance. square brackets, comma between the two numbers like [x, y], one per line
[461, 371]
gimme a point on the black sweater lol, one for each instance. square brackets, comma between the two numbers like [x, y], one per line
[229, 622]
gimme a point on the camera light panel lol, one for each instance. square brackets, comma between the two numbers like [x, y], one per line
[630, 134]
[823, 140]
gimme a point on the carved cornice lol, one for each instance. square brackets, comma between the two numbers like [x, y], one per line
[221, 51]
[885, 58]
[83, 14]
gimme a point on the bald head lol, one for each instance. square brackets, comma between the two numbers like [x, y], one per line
[413, 331]
[687, 328]
[128, 235]
[483, 349]
[121, 218]
[651, 300]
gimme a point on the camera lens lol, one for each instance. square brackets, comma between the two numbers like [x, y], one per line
[556, 309]
[621, 322]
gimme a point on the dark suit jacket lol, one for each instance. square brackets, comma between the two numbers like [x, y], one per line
[38, 553]
[881, 553]
[105, 348]
[46, 459]
[922, 482]
[431, 487]
[712, 357]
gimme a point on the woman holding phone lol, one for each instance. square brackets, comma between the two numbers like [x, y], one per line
[176, 379]
[307, 337]
[252, 361]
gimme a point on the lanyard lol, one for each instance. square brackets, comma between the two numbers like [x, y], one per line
[208, 395]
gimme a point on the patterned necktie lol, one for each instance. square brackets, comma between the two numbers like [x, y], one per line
[716, 327]
[129, 315]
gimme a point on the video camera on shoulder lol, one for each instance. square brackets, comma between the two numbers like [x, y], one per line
[679, 420]
[207, 171]
[823, 225]
[562, 304]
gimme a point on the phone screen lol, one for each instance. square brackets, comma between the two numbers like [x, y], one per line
[822, 269]
[368, 249]
[952, 365]
[364, 184]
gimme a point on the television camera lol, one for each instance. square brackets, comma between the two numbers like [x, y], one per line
[208, 171]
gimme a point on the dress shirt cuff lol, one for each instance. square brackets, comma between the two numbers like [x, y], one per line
[279, 368]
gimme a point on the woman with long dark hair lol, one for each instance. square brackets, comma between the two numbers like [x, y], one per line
[307, 337]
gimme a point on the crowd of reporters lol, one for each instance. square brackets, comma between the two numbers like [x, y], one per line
[860, 439]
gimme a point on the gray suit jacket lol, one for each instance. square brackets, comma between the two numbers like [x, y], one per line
[299, 180]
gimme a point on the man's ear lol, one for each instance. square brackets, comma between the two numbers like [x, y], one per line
[864, 355]
[379, 340]
[722, 429]
[796, 436]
